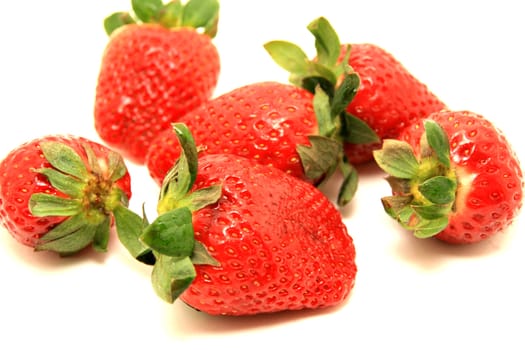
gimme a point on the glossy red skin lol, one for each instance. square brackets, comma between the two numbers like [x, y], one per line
[480, 152]
[149, 77]
[18, 182]
[264, 121]
[388, 99]
[281, 244]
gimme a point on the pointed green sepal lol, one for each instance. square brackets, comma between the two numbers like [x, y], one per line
[171, 276]
[327, 42]
[397, 158]
[69, 237]
[64, 158]
[356, 131]
[349, 185]
[438, 190]
[171, 233]
[66, 184]
[130, 226]
[117, 20]
[345, 93]
[429, 228]
[101, 236]
[43, 204]
[438, 141]
[321, 158]
[147, 10]
[201, 256]
[202, 14]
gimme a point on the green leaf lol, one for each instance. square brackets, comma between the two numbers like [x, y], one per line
[289, 56]
[349, 186]
[345, 93]
[323, 113]
[201, 198]
[101, 236]
[117, 166]
[180, 178]
[42, 204]
[117, 20]
[327, 42]
[201, 14]
[171, 14]
[396, 158]
[171, 233]
[437, 139]
[171, 276]
[189, 149]
[395, 205]
[438, 190]
[431, 212]
[64, 158]
[69, 237]
[321, 157]
[429, 228]
[313, 82]
[201, 256]
[147, 10]
[129, 227]
[66, 184]
[356, 131]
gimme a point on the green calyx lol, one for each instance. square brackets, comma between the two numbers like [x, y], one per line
[334, 85]
[90, 197]
[424, 188]
[170, 237]
[198, 14]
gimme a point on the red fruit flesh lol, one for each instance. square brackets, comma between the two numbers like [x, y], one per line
[18, 182]
[149, 77]
[281, 244]
[264, 121]
[389, 97]
[490, 189]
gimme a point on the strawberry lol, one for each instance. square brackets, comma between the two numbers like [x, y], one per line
[61, 193]
[155, 68]
[276, 124]
[454, 176]
[234, 237]
[389, 96]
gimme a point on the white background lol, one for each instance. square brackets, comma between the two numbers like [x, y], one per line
[409, 293]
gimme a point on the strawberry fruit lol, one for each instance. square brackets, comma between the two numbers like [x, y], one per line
[454, 177]
[276, 124]
[389, 97]
[61, 193]
[157, 66]
[234, 237]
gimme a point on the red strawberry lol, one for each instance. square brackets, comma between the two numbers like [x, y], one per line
[61, 193]
[389, 96]
[154, 70]
[234, 237]
[454, 177]
[271, 122]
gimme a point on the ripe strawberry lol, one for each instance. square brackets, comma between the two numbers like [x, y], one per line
[271, 122]
[154, 69]
[389, 96]
[454, 177]
[61, 193]
[234, 237]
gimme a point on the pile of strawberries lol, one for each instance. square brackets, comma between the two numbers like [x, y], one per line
[242, 227]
